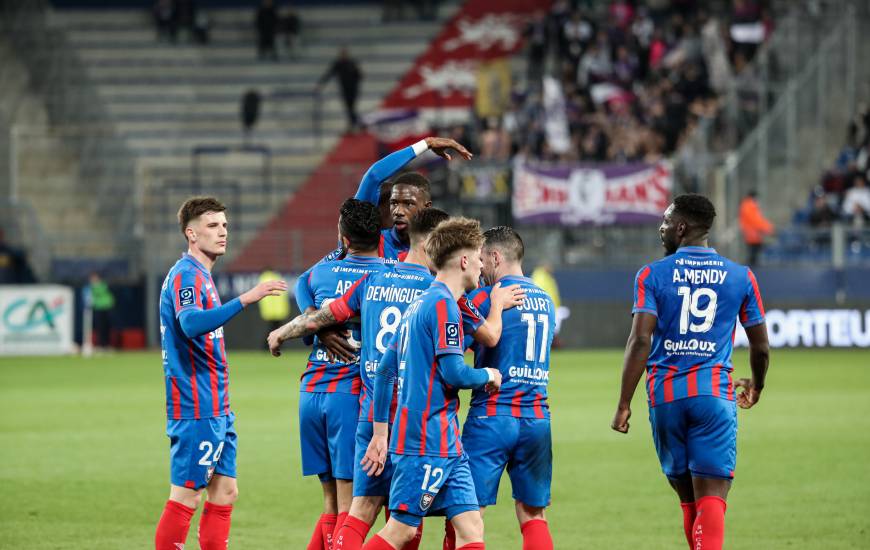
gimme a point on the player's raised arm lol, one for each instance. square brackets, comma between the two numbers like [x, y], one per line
[195, 322]
[636, 353]
[369, 186]
[500, 299]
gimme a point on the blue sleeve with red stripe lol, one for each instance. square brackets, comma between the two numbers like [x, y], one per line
[304, 296]
[472, 315]
[455, 372]
[195, 322]
[350, 304]
[187, 290]
[446, 325]
[752, 309]
[644, 292]
[385, 377]
[370, 185]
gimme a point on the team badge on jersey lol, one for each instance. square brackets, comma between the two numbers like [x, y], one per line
[452, 332]
[186, 296]
[426, 501]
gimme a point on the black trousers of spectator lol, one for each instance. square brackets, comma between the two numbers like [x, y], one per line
[349, 95]
[266, 46]
[103, 327]
[754, 252]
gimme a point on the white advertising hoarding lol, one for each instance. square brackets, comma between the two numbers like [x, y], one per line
[814, 328]
[36, 319]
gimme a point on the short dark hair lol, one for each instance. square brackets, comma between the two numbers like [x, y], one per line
[195, 207]
[360, 223]
[451, 236]
[696, 209]
[415, 179]
[425, 221]
[507, 240]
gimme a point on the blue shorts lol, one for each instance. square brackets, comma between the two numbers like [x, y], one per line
[696, 435]
[327, 428]
[430, 485]
[363, 485]
[200, 448]
[522, 445]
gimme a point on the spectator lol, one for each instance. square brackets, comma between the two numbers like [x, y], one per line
[201, 27]
[14, 267]
[166, 20]
[267, 27]
[291, 25]
[349, 76]
[102, 301]
[821, 213]
[250, 111]
[538, 40]
[754, 226]
[856, 203]
[274, 310]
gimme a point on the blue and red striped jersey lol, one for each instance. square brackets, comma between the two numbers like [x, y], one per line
[197, 379]
[391, 248]
[380, 299]
[697, 296]
[522, 354]
[328, 281]
[426, 417]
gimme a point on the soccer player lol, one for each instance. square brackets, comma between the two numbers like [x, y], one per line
[510, 428]
[199, 419]
[329, 400]
[685, 311]
[380, 299]
[411, 192]
[430, 467]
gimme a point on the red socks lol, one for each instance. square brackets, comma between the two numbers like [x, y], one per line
[339, 523]
[377, 543]
[321, 539]
[473, 546]
[214, 526]
[688, 520]
[173, 526]
[449, 536]
[536, 535]
[351, 535]
[708, 531]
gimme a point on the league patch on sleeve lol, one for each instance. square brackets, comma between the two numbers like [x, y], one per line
[469, 308]
[186, 296]
[452, 332]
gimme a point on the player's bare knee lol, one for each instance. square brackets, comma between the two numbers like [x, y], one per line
[468, 527]
[527, 513]
[399, 533]
[366, 508]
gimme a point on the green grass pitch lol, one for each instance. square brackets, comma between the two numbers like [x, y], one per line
[84, 461]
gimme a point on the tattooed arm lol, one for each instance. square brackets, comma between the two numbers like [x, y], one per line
[305, 324]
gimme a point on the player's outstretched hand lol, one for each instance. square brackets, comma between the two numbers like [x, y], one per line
[492, 387]
[750, 394]
[266, 288]
[620, 419]
[508, 296]
[440, 145]
[376, 456]
[337, 346]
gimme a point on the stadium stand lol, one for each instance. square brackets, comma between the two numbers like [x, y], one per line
[165, 118]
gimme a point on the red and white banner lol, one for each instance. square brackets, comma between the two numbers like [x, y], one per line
[446, 74]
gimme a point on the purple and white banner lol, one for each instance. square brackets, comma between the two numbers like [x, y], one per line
[591, 194]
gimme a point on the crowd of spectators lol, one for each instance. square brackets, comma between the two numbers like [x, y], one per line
[631, 80]
[842, 193]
